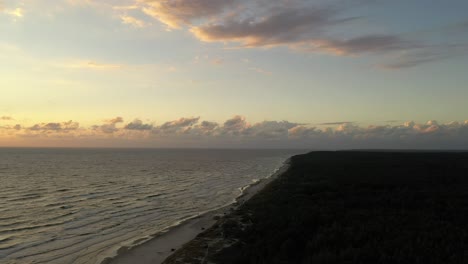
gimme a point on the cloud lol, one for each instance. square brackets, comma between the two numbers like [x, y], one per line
[16, 12]
[301, 132]
[126, 7]
[426, 55]
[300, 25]
[137, 124]
[183, 124]
[237, 132]
[177, 13]
[198, 129]
[110, 125]
[53, 127]
[300, 28]
[335, 123]
[116, 120]
[207, 127]
[297, 24]
[133, 21]
[235, 125]
[6, 118]
[269, 26]
[363, 44]
[270, 129]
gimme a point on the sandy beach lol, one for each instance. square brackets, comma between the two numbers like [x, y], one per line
[159, 248]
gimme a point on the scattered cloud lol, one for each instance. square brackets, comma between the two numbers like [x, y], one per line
[237, 132]
[299, 132]
[178, 13]
[54, 127]
[183, 125]
[126, 7]
[268, 26]
[110, 125]
[270, 130]
[207, 127]
[277, 24]
[335, 123]
[6, 118]
[300, 25]
[133, 21]
[137, 124]
[115, 120]
[15, 13]
[358, 45]
[425, 55]
[235, 125]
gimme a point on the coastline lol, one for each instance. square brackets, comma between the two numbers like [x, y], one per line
[164, 244]
[347, 207]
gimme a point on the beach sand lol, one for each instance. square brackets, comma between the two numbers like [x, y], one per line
[159, 248]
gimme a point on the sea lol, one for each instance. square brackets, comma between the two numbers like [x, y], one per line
[82, 205]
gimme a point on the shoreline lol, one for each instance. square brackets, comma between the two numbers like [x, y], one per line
[347, 207]
[171, 239]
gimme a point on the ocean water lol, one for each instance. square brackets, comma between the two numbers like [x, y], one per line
[81, 205]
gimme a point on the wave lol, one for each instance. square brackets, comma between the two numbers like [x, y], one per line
[84, 212]
[139, 241]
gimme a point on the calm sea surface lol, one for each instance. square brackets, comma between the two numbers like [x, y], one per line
[81, 205]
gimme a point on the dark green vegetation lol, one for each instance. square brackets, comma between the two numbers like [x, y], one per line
[354, 207]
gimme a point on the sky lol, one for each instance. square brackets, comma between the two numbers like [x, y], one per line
[234, 73]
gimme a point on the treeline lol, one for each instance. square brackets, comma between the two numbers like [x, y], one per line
[356, 207]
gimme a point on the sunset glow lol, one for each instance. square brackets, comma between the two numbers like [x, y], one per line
[283, 73]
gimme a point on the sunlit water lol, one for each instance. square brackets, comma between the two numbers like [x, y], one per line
[79, 206]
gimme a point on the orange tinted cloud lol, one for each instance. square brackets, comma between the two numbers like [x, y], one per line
[177, 13]
[237, 132]
[133, 21]
[300, 25]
